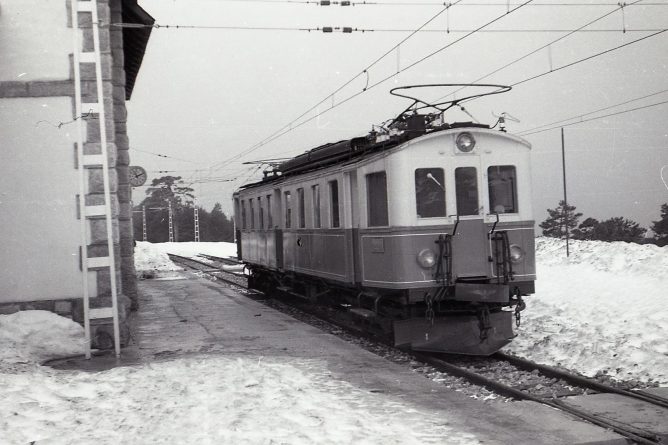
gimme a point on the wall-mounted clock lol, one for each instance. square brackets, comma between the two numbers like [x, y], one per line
[137, 176]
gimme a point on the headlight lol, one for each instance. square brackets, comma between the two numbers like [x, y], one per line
[426, 258]
[516, 253]
[465, 142]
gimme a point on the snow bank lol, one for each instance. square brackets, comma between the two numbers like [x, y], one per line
[210, 400]
[191, 249]
[614, 257]
[33, 336]
[151, 261]
[602, 310]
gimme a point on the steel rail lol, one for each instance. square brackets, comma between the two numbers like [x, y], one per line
[221, 259]
[182, 260]
[549, 371]
[628, 431]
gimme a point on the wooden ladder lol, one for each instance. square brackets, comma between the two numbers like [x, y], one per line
[86, 162]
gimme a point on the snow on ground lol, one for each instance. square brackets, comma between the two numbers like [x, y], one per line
[191, 249]
[29, 337]
[602, 310]
[152, 262]
[202, 399]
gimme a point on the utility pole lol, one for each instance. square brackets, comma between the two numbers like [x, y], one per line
[563, 165]
[143, 223]
[171, 224]
[196, 225]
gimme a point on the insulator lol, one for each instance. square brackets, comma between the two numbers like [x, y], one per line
[325, 3]
[327, 29]
[345, 3]
[347, 29]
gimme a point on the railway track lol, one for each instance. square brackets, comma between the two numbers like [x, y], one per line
[525, 380]
[237, 279]
[474, 370]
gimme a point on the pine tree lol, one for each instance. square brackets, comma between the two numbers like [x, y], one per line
[618, 229]
[162, 191]
[555, 225]
[660, 227]
[585, 231]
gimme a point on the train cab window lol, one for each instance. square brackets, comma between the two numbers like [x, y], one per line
[502, 182]
[466, 187]
[288, 211]
[376, 198]
[251, 208]
[334, 203]
[261, 215]
[315, 195]
[270, 220]
[243, 215]
[302, 210]
[430, 192]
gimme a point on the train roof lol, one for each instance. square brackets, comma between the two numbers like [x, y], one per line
[346, 150]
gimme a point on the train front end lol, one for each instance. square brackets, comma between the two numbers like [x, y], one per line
[459, 239]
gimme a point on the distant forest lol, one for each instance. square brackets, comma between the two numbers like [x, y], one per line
[564, 219]
[166, 190]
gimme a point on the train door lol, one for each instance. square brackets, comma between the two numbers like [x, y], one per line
[469, 244]
[351, 205]
[278, 232]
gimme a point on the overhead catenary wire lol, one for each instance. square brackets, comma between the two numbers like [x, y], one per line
[350, 29]
[527, 133]
[160, 155]
[421, 4]
[294, 125]
[542, 47]
[556, 124]
[654, 34]
[332, 94]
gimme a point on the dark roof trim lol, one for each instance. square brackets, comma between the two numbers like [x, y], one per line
[135, 41]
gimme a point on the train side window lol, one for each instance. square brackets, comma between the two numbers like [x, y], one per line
[315, 195]
[270, 221]
[251, 208]
[502, 182]
[334, 203]
[288, 211]
[466, 187]
[376, 194]
[301, 209]
[430, 192]
[243, 215]
[261, 210]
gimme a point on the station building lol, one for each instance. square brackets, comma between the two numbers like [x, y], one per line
[46, 124]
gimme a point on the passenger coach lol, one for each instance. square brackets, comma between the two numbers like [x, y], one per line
[424, 232]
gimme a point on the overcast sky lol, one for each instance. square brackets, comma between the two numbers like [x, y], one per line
[204, 95]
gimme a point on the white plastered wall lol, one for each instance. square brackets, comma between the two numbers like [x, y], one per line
[34, 40]
[38, 187]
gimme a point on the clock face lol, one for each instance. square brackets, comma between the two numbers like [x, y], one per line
[137, 176]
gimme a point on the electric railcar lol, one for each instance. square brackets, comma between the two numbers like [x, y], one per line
[421, 230]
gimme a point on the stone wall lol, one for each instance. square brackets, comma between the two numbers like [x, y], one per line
[113, 79]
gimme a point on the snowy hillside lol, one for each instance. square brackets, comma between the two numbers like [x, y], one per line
[602, 310]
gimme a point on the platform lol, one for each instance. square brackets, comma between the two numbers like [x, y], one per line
[191, 315]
